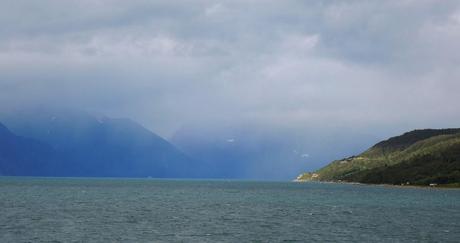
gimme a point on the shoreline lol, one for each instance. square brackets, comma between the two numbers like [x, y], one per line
[383, 185]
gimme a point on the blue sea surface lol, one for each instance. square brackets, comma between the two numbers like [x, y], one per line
[148, 210]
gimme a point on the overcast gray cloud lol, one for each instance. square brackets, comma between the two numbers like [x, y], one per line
[275, 63]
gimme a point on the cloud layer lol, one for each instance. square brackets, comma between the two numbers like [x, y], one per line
[391, 64]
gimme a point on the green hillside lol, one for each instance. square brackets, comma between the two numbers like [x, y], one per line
[419, 157]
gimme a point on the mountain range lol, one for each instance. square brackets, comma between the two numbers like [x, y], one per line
[73, 143]
[44, 141]
[66, 142]
[420, 157]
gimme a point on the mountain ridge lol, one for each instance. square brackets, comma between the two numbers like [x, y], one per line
[83, 145]
[419, 157]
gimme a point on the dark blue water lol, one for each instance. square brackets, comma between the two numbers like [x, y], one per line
[115, 210]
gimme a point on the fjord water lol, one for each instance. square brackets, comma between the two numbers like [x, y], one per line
[138, 210]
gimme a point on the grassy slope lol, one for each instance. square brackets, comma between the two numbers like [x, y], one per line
[419, 157]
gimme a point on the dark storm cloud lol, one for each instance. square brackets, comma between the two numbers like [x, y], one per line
[281, 63]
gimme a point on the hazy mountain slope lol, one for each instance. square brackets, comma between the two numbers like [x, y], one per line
[255, 152]
[88, 146]
[24, 157]
[418, 157]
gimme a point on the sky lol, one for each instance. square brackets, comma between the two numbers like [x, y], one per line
[299, 64]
